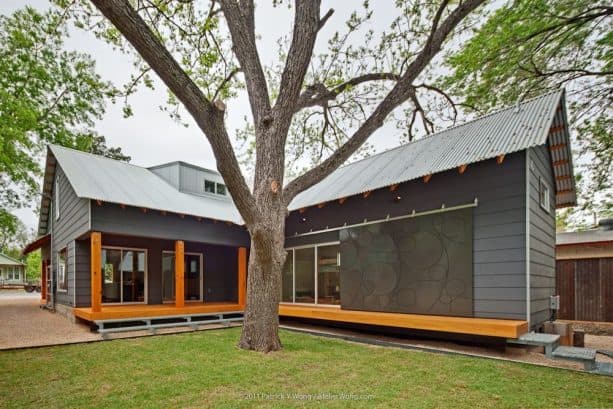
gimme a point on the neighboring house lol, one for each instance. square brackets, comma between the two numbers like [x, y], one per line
[453, 233]
[12, 272]
[584, 273]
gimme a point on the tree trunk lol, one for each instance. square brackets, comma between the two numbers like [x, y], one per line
[266, 258]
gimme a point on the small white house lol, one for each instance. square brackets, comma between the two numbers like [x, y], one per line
[12, 272]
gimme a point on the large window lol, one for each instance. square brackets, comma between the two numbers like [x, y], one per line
[304, 275]
[287, 279]
[311, 275]
[62, 280]
[124, 272]
[193, 276]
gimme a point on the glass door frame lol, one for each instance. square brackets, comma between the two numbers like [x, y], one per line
[146, 283]
[187, 253]
[316, 292]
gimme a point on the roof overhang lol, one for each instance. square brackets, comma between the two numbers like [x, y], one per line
[47, 188]
[37, 244]
[562, 157]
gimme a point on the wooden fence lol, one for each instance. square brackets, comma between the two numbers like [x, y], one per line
[585, 287]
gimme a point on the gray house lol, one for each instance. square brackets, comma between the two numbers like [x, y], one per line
[452, 233]
[12, 272]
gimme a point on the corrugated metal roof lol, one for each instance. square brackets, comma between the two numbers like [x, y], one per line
[588, 236]
[99, 178]
[502, 132]
[9, 261]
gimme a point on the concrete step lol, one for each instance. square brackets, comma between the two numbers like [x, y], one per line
[585, 355]
[549, 341]
[604, 368]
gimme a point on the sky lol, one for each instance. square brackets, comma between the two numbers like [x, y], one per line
[150, 136]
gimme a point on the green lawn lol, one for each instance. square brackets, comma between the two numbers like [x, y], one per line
[205, 369]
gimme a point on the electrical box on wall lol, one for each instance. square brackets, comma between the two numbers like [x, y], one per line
[554, 302]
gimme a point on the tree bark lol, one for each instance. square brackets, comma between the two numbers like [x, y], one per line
[267, 256]
[265, 209]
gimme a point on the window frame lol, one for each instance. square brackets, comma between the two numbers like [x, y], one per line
[57, 197]
[207, 181]
[62, 285]
[224, 189]
[146, 282]
[186, 253]
[315, 272]
[544, 195]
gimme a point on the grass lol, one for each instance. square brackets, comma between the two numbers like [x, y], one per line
[205, 369]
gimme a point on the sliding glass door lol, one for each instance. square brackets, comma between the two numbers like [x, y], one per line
[193, 277]
[311, 275]
[124, 275]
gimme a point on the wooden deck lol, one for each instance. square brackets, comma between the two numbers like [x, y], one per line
[109, 312]
[473, 326]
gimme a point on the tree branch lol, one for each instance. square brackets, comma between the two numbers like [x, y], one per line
[397, 95]
[211, 120]
[241, 22]
[306, 26]
[318, 94]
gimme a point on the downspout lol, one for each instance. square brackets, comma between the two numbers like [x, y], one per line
[528, 298]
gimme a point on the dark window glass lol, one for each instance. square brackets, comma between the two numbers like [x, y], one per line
[209, 186]
[221, 189]
[287, 287]
[305, 275]
[328, 275]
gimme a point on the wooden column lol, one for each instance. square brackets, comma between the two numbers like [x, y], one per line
[96, 269]
[242, 275]
[43, 280]
[179, 273]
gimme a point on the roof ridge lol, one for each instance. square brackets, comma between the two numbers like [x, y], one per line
[427, 137]
[52, 145]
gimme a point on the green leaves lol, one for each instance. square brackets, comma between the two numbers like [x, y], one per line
[47, 95]
[528, 47]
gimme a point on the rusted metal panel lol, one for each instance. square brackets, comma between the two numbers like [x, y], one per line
[587, 291]
[565, 288]
[585, 287]
[606, 277]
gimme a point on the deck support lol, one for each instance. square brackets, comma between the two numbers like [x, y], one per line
[96, 270]
[242, 276]
[179, 273]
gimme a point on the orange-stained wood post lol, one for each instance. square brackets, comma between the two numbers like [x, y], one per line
[43, 280]
[242, 275]
[96, 267]
[179, 274]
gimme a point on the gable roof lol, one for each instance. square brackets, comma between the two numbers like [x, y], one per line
[534, 122]
[99, 178]
[9, 261]
[505, 131]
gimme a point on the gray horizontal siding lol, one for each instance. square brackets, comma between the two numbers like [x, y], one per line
[499, 251]
[542, 237]
[73, 223]
[111, 218]
[83, 273]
